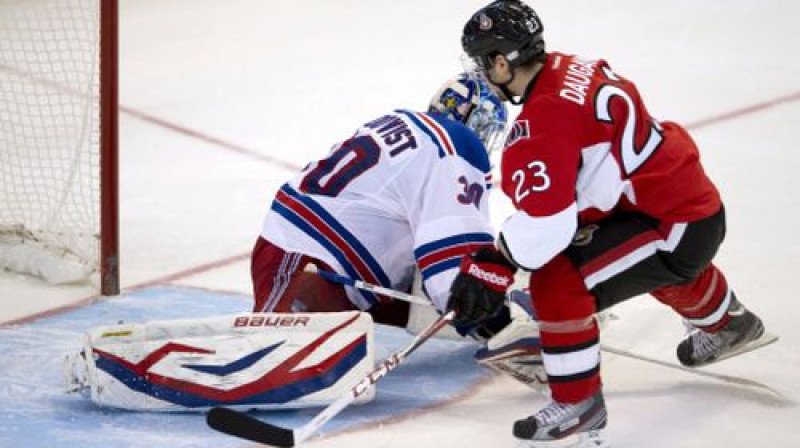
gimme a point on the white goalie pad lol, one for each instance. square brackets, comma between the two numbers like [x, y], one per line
[515, 351]
[243, 361]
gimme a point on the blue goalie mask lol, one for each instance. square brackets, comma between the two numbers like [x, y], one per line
[467, 98]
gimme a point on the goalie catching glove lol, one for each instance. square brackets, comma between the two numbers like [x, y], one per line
[479, 290]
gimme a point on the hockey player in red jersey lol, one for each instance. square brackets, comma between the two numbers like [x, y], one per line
[610, 203]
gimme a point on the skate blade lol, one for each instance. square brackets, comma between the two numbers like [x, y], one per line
[764, 340]
[589, 439]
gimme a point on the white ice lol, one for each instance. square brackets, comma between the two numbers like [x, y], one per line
[222, 100]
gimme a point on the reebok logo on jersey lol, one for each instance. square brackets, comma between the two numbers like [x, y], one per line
[521, 129]
[489, 277]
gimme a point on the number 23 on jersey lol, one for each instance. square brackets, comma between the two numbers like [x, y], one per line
[534, 177]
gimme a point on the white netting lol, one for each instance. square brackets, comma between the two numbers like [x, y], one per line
[49, 130]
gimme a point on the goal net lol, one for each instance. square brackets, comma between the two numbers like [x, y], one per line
[58, 140]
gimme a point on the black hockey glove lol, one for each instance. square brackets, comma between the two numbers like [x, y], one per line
[479, 290]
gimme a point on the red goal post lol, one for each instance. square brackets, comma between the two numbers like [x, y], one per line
[58, 140]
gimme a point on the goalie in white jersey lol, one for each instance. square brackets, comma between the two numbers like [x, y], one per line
[406, 192]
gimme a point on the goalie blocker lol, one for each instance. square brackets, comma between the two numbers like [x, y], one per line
[244, 361]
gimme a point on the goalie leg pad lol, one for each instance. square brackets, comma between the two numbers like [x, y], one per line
[515, 350]
[243, 361]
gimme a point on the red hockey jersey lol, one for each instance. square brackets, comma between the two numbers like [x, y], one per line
[583, 146]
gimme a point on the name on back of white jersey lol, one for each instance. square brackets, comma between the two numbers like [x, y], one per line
[394, 131]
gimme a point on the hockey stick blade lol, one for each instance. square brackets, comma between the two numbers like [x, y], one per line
[761, 342]
[241, 425]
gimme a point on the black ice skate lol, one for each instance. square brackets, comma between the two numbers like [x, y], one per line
[565, 424]
[744, 332]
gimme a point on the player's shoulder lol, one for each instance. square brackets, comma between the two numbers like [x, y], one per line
[451, 138]
[561, 94]
[569, 81]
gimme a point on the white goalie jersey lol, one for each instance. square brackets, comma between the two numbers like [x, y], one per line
[408, 190]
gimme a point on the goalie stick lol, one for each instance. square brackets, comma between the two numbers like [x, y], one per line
[242, 425]
[336, 278]
[765, 340]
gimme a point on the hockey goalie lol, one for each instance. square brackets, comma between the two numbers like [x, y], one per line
[243, 361]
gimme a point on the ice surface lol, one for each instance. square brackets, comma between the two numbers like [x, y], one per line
[221, 99]
[33, 402]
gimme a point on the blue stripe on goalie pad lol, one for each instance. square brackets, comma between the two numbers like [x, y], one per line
[34, 408]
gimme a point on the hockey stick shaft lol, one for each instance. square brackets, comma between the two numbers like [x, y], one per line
[369, 381]
[336, 278]
[242, 425]
[606, 348]
[717, 376]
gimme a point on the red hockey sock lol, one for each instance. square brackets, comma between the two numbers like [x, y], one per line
[569, 333]
[699, 300]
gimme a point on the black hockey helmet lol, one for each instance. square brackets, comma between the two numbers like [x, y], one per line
[507, 27]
